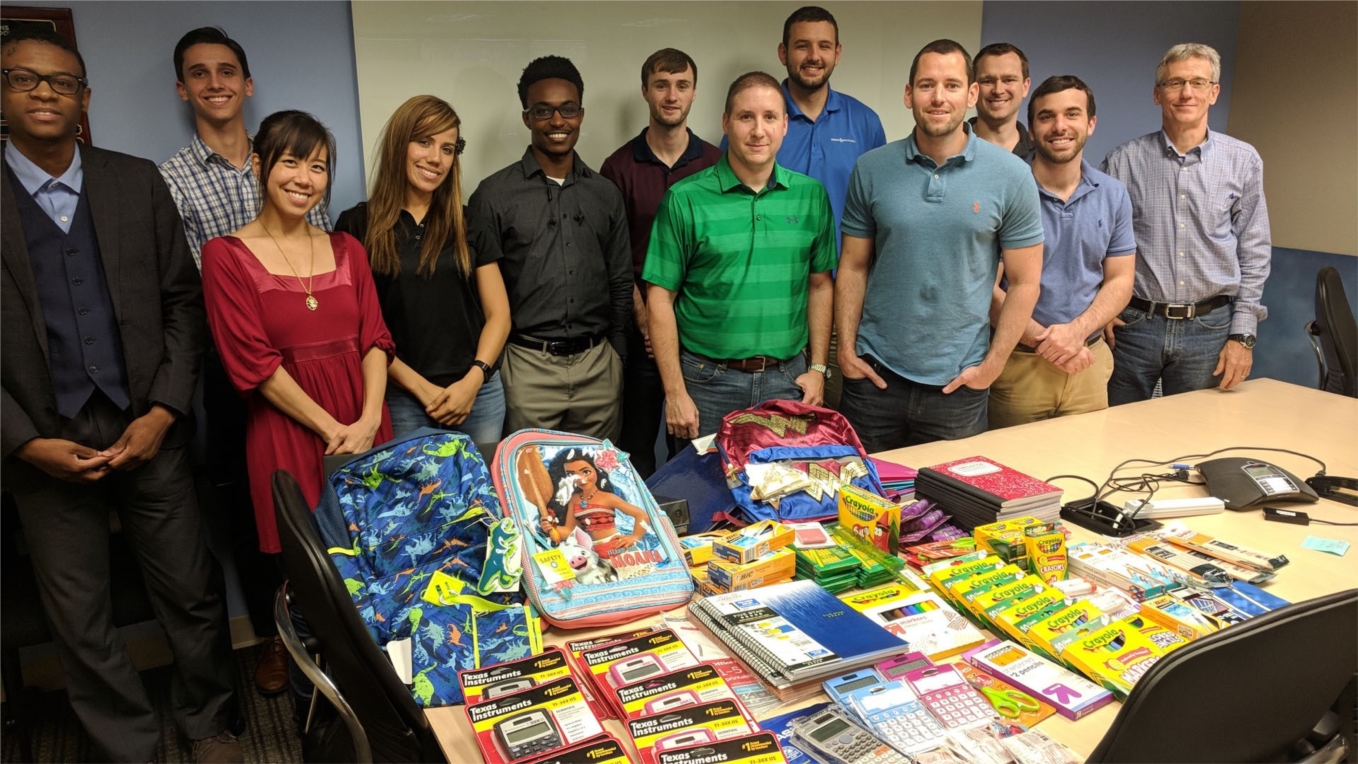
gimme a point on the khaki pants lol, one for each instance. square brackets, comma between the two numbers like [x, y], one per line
[1030, 389]
[579, 393]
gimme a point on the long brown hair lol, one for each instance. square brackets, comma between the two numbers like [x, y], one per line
[418, 118]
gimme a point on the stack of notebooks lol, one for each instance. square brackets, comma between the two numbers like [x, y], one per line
[979, 491]
[834, 568]
[794, 635]
[897, 479]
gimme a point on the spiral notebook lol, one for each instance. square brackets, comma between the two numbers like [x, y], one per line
[789, 633]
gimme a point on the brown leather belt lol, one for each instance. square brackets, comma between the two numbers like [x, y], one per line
[752, 364]
[1181, 311]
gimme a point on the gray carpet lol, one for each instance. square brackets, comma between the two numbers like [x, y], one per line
[56, 734]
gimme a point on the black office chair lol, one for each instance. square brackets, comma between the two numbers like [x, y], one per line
[1252, 692]
[393, 725]
[1334, 336]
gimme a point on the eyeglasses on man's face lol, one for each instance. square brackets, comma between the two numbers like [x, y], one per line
[24, 80]
[541, 111]
[1198, 84]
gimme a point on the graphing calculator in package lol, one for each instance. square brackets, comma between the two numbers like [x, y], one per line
[533, 723]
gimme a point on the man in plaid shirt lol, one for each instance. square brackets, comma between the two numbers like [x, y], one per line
[214, 187]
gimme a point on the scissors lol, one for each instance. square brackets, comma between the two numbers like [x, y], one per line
[1010, 703]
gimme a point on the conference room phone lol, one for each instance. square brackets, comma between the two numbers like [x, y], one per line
[1244, 484]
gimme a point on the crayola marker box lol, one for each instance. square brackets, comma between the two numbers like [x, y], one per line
[1017, 611]
[1070, 694]
[989, 603]
[948, 571]
[1044, 629]
[689, 725]
[1116, 656]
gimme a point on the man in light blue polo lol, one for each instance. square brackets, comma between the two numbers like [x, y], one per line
[1062, 363]
[930, 214]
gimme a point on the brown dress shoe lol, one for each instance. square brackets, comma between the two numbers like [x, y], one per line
[222, 749]
[271, 675]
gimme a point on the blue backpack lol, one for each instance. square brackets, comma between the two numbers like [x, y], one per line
[407, 526]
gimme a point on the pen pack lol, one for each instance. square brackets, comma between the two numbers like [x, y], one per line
[594, 547]
[1181, 535]
[1188, 567]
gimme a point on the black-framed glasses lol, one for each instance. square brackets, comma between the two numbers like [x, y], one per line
[24, 80]
[541, 111]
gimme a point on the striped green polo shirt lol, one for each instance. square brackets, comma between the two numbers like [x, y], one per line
[740, 261]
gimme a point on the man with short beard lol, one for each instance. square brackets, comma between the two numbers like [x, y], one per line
[645, 167]
[1061, 365]
[931, 214]
[827, 131]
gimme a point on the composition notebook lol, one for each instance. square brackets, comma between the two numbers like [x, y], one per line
[795, 631]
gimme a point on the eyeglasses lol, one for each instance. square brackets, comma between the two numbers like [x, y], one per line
[24, 80]
[1198, 84]
[541, 111]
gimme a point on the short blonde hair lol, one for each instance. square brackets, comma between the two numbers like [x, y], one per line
[1184, 51]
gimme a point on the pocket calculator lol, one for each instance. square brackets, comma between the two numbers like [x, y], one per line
[832, 736]
[949, 697]
[528, 733]
[635, 669]
[684, 739]
[841, 687]
[895, 714]
[670, 702]
[506, 687]
[898, 667]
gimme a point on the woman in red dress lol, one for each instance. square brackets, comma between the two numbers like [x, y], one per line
[296, 319]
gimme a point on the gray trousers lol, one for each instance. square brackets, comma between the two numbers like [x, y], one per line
[67, 529]
[580, 393]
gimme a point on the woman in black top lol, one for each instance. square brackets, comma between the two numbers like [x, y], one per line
[444, 303]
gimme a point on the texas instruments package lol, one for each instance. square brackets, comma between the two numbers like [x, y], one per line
[600, 750]
[513, 676]
[635, 660]
[690, 725]
[534, 723]
[759, 748]
[671, 692]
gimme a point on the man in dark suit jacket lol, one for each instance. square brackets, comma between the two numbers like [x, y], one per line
[100, 340]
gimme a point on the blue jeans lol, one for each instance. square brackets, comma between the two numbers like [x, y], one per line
[485, 423]
[1182, 353]
[907, 413]
[717, 390]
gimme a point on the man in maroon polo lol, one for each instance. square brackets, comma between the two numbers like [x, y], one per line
[645, 167]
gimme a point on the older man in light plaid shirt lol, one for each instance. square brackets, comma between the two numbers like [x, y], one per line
[1202, 236]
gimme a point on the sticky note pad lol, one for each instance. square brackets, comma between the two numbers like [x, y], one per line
[1332, 546]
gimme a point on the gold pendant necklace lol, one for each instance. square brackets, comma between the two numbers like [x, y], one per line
[311, 302]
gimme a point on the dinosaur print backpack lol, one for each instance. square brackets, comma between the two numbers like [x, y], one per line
[407, 524]
[595, 549]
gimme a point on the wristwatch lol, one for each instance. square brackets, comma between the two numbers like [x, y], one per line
[821, 368]
[1244, 339]
[486, 371]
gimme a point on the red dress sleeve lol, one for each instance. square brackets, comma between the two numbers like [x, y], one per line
[372, 329]
[234, 315]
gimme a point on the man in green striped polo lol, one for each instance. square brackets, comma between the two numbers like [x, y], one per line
[740, 293]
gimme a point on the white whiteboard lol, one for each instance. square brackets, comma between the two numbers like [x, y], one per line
[472, 53]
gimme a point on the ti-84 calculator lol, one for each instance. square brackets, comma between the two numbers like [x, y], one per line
[948, 696]
[832, 736]
[897, 717]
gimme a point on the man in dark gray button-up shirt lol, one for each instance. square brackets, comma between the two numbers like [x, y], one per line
[561, 232]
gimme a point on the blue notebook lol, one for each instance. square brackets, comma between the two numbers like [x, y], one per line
[795, 631]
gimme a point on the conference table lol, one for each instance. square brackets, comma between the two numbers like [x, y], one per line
[1261, 413]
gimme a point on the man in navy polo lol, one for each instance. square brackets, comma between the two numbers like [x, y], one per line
[826, 130]
[645, 167]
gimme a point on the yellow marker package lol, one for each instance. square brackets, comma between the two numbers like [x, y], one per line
[1016, 612]
[1041, 632]
[940, 576]
[1115, 656]
[965, 589]
[989, 603]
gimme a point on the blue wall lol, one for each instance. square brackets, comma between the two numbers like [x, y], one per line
[301, 57]
[1290, 295]
[1114, 47]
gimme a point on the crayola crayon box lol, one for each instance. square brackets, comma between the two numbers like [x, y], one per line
[870, 517]
[1005, 539]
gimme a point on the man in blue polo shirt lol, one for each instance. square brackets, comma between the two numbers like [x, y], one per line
[1062, 363]
[931, 214]
[826, 130]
